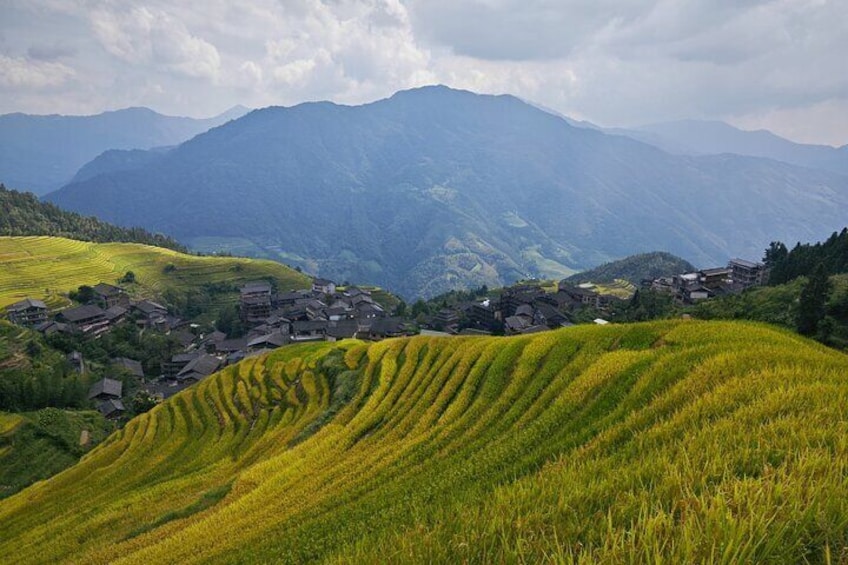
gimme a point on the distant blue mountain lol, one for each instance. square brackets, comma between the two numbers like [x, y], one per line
[697, 137]
[434, 189]
[41, 153]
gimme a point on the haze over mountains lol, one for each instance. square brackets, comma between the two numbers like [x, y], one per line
[713, 137]
[700, 137]
[435, 188]
[41, 153]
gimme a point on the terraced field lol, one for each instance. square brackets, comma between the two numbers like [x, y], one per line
[47, 267]
[675, 441]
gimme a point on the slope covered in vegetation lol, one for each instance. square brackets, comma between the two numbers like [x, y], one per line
[33, 375]
[436, 189]
[37, 445]
[684, 441]
[788, 264]
[635, 268]
[45, 267]
[24, 214]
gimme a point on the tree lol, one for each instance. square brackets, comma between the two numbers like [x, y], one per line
[775, 253]
[813, 301]
[142, 402]
[129, 277]
[420, 307]
[83, 295]
[400, 309]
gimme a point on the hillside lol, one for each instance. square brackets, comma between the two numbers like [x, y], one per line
[24, 214]
[41, 153]
[436, 189]
[636, 268]
[37, 445]
[47, 267]
[677, 441]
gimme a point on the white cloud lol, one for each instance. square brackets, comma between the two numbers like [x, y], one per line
[152, 37]
[20, 72]
[251, 73]
[615, 62]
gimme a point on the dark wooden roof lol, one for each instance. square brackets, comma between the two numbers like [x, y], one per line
[131, 365]
[105, 289]
[111, 407]
[82, 313]
[255, 287]
[109, 387]
[26, 304]
[200, 367]
[272, 340]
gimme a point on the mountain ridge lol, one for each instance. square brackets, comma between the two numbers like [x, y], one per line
[712, 137]
[435, 189]
[40, 153]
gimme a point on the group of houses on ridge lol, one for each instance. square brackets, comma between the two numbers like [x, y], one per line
[520, 309]
[110, 306]
[272, 319]
[689, 288]
[327, 313]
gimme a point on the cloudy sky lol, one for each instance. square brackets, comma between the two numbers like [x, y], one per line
[776, 64]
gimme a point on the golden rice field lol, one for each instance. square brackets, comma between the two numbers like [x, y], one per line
[674, 441]
[47, 267]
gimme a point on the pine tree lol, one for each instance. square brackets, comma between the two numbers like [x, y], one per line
[812, 305]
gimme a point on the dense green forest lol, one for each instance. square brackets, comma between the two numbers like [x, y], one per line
[33, 375]
[786, 265]
[24, 214]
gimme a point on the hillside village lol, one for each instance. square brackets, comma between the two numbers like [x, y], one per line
[271, 319]
[528, 308]
[325, 312]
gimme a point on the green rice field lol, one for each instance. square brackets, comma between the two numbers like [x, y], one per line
[48, 267]
[664, 442]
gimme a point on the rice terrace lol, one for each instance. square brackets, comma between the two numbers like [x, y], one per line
[678, 441]
[47, 267]
[324, 282]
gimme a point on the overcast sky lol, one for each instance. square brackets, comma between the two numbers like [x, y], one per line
[779, 64]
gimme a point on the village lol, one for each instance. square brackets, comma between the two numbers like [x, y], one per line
[272, 319]
[530, 308]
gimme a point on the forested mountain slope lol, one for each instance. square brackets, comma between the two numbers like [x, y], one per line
[41, 153]
[436, 189]
[24, 214]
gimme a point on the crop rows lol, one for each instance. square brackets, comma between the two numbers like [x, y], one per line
[678, 441]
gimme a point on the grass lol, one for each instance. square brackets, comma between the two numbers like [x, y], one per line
[674, 441]
[48, 267]
[37, 445]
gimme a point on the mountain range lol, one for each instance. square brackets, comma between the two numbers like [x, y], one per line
[41, 153]
[713, 137]
[435, 189]
[703, 137]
